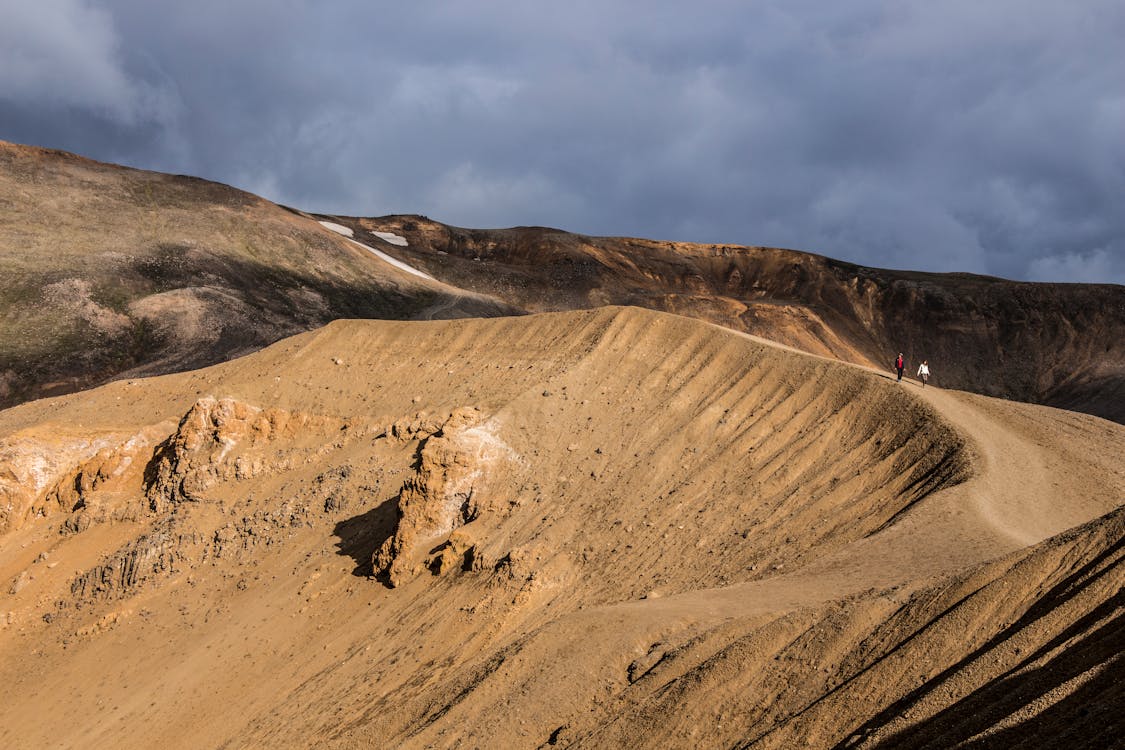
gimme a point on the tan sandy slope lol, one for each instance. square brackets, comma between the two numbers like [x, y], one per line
[610, 528]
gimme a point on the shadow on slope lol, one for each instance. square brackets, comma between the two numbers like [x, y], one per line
[360, 536]
[1072, 672]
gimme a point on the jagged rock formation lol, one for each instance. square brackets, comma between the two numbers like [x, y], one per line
[52, 469]
[450, 489]
[220, 440]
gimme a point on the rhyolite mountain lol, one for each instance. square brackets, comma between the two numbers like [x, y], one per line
[604, 527]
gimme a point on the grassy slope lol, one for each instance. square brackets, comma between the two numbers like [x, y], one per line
[106, 271]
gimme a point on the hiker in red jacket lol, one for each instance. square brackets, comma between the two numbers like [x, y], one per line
[900, 365]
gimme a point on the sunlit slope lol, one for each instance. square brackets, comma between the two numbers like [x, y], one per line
[603, 528]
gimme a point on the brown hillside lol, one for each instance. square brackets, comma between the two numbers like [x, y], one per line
[607, 528]
[1057, 344]
[109, 272]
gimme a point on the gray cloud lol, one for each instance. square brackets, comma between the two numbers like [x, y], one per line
[62, 52]
[959, 135]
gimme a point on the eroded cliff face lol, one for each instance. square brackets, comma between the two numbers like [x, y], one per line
[197, 492]
[55, 469]
[224, 440]
[218, 448]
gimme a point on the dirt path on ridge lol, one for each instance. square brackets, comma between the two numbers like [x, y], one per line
[1022, 491]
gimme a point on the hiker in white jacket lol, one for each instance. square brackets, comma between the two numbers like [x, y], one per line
[924, 372]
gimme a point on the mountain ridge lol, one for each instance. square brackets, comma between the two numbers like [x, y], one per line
[1056, 344]
[111, 272]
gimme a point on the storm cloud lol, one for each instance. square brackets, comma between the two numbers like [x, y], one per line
[948, 136]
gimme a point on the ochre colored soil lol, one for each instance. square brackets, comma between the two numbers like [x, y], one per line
[604, 528]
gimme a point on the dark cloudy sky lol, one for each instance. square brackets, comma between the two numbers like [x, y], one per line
[970, 135]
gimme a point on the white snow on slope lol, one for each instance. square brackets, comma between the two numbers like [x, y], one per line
[391, 237]
[348, 233]
[338, 228]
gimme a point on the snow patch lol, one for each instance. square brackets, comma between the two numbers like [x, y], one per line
[338, 228]
[394, 239]
[391, 237]
[394, 261]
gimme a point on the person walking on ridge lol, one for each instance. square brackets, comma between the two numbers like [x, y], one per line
[900, 365]
[924, 372]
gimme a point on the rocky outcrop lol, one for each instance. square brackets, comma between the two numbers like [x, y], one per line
[52, 463]
[99, 475]
[107, 485]
[217, 442]
[151, 555]
[220, 440]
[186, 487]
[450, 489]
